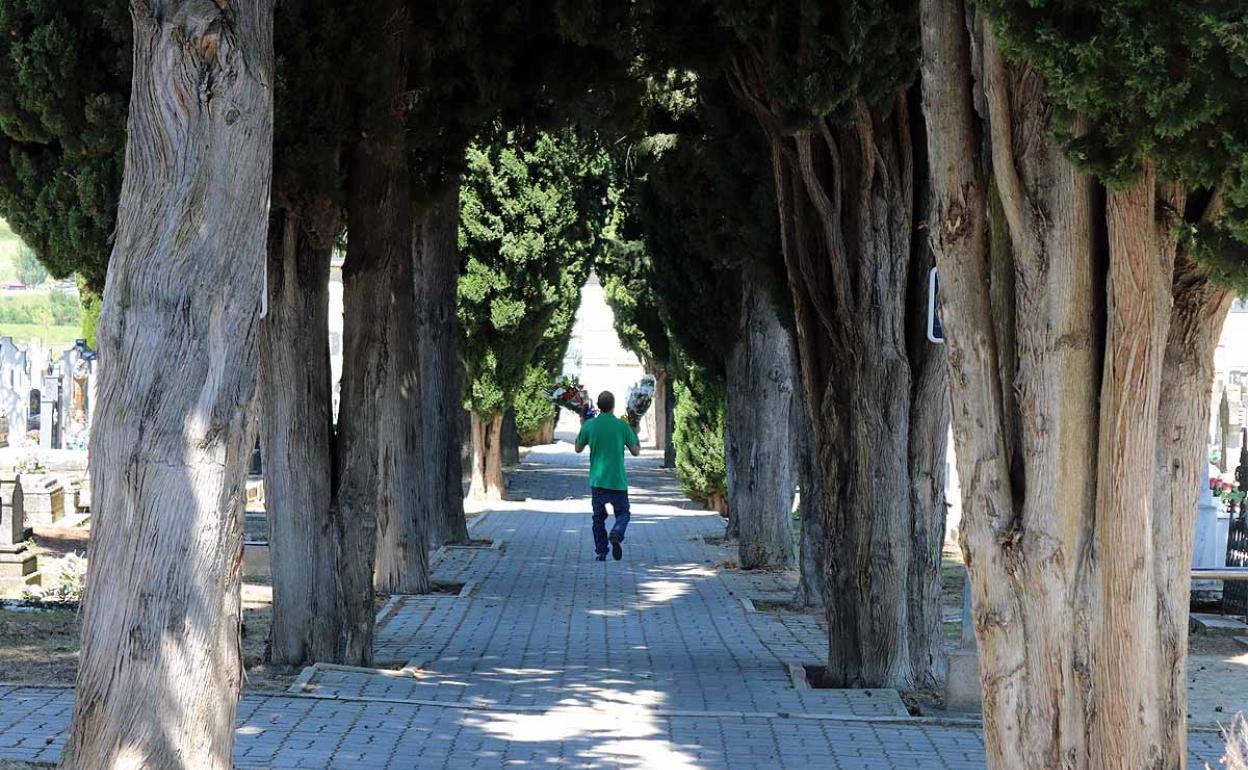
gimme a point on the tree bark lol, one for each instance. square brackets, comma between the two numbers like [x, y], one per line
[1079, 583]
[668, 416]
[846, 197]
[509, 439]
[758, 452]
[296, 436]
[160, 666]
[1199, 312]
[378, 492]
[436, 259]
[487, 458]
[810, 479]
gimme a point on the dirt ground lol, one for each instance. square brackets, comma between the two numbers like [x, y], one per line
[41, 646]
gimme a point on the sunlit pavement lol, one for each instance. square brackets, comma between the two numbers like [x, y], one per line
[547, 658]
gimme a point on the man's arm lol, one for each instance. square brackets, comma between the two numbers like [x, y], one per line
[634, 445]
[580, 441]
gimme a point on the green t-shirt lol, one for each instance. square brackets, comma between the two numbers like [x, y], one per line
[607, 436]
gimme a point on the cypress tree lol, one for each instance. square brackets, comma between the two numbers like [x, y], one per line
[533, 207]
[1110, 242]
[830, 87]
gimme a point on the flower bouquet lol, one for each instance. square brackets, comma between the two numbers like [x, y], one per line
[569, 393]
[640, 397]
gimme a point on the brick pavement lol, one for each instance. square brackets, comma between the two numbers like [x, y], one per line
[555, 660]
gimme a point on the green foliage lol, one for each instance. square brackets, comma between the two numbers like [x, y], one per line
[809, 58]
[540, 63]
[91, 306]
[1162, 80]
[65, 309]
[64, 91]
[532, 210]
[30, 270]
[628, 286]
[533, 406]
[53, 309]
[699, 436]
[316, 65]
[701, 212]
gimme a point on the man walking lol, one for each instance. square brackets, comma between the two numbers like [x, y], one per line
[607, 436]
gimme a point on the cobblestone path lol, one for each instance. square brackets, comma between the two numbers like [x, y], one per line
[538, 656]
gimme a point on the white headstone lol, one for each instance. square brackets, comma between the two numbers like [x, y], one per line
[1207, 552]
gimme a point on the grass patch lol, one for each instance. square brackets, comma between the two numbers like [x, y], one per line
[38, 647]
[952, 580]
[58, 338]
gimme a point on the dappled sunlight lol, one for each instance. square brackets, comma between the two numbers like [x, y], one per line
[618, 728]
[659, 591]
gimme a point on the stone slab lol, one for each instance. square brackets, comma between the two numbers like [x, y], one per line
[17, 563]
[1218, 625]
[962, 688]
[44, 500]
[255, 560]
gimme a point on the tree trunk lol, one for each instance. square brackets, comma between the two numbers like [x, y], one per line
[378, 491]
[160, 666]
[296, 436]
[846, 195]
[509, 439]
[487, 458]
[813, 540]
[1199, 312]
[436, 259]
[758, 451]
[1079, 582]
[668, 416]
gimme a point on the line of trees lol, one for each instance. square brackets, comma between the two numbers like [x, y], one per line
[785, 176]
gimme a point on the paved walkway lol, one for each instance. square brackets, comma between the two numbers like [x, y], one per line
[547, 658]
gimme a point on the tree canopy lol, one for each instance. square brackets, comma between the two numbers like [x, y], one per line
[64, 95]
[532, 209]
[1162, 81]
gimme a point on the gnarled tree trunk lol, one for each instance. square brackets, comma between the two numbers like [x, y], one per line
[378, 492]
[1081, 356]
[296, 438]
[758, 452]
[846, 197]
[435, 242]
[487, 458]
[1197, 317]
[160, 667]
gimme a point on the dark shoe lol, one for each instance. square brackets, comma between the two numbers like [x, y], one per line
[617, 551]
[600, 557]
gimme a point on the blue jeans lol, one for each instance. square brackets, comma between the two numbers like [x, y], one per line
[618, 500]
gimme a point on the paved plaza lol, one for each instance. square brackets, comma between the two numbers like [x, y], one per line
[546, 658]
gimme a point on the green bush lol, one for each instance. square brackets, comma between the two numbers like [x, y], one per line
[54, 309]
[699, 438]
[533, 405]
[65, 309]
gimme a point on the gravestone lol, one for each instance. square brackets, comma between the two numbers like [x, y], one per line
[44, 499]
[1209, 546]
[962, 687]
[17, 561]
[14, 389]
[50, 412]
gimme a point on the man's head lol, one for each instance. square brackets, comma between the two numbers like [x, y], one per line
[606, 401]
